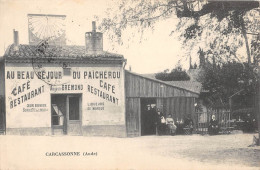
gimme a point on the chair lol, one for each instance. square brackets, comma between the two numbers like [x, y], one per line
[187, 131]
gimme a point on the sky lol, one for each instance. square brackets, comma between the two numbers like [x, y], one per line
[159, 50]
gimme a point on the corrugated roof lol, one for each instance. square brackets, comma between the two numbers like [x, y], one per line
[189, 85]
[62, 52]
[193, 86]
[194, 89]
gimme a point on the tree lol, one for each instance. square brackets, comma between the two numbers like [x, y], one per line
[222, 81]
[222, 25]
[196, 16]
[176, 74]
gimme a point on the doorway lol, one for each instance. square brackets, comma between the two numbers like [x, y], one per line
[66, 114]
[148, 116]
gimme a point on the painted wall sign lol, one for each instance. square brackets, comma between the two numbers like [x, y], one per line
[29, 91]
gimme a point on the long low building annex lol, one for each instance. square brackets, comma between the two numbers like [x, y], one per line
[49, 89]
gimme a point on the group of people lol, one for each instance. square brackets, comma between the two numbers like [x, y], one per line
[156, 122]
[167, 126]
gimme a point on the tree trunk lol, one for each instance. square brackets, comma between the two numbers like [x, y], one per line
[257, 94]
[257, 105]
[246, 40]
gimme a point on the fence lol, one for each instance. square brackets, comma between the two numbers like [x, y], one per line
[221, 115]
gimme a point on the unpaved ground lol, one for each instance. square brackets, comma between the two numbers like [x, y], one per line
[149, 152]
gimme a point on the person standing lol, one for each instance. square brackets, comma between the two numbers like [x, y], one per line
[213, 126]
[170, 124]
[160, 122]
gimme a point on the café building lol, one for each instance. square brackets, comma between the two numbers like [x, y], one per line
[80, 90]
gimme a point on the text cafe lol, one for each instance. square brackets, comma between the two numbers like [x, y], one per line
[50, 89]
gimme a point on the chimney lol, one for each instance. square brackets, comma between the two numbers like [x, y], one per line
[94, 40]
[16, 40]
[94, 26]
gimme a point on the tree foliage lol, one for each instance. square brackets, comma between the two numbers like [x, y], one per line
[214, 29]
[223, 81]
[176, 74]
[219, 27]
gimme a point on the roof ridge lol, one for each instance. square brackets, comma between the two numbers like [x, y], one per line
[62, 51]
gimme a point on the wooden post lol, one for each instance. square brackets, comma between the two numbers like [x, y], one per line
[229, 118]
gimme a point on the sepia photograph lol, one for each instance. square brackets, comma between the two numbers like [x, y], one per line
[129, 84]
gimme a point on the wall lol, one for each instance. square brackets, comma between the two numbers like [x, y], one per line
[2, 98]
[180, 107]
[2, 80]
[21, 79]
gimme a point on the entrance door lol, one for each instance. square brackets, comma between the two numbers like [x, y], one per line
[74, 115]
[58, 114]
[148, 116]
[133, 117]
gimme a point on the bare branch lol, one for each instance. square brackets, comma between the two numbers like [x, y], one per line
[151, 18]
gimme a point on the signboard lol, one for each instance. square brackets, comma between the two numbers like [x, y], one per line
[28, 91]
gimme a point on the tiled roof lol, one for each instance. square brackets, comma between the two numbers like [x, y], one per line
[61, 52]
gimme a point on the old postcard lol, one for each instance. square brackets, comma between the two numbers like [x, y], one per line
[129, 84]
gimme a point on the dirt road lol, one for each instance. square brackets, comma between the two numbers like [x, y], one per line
[149, 152]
